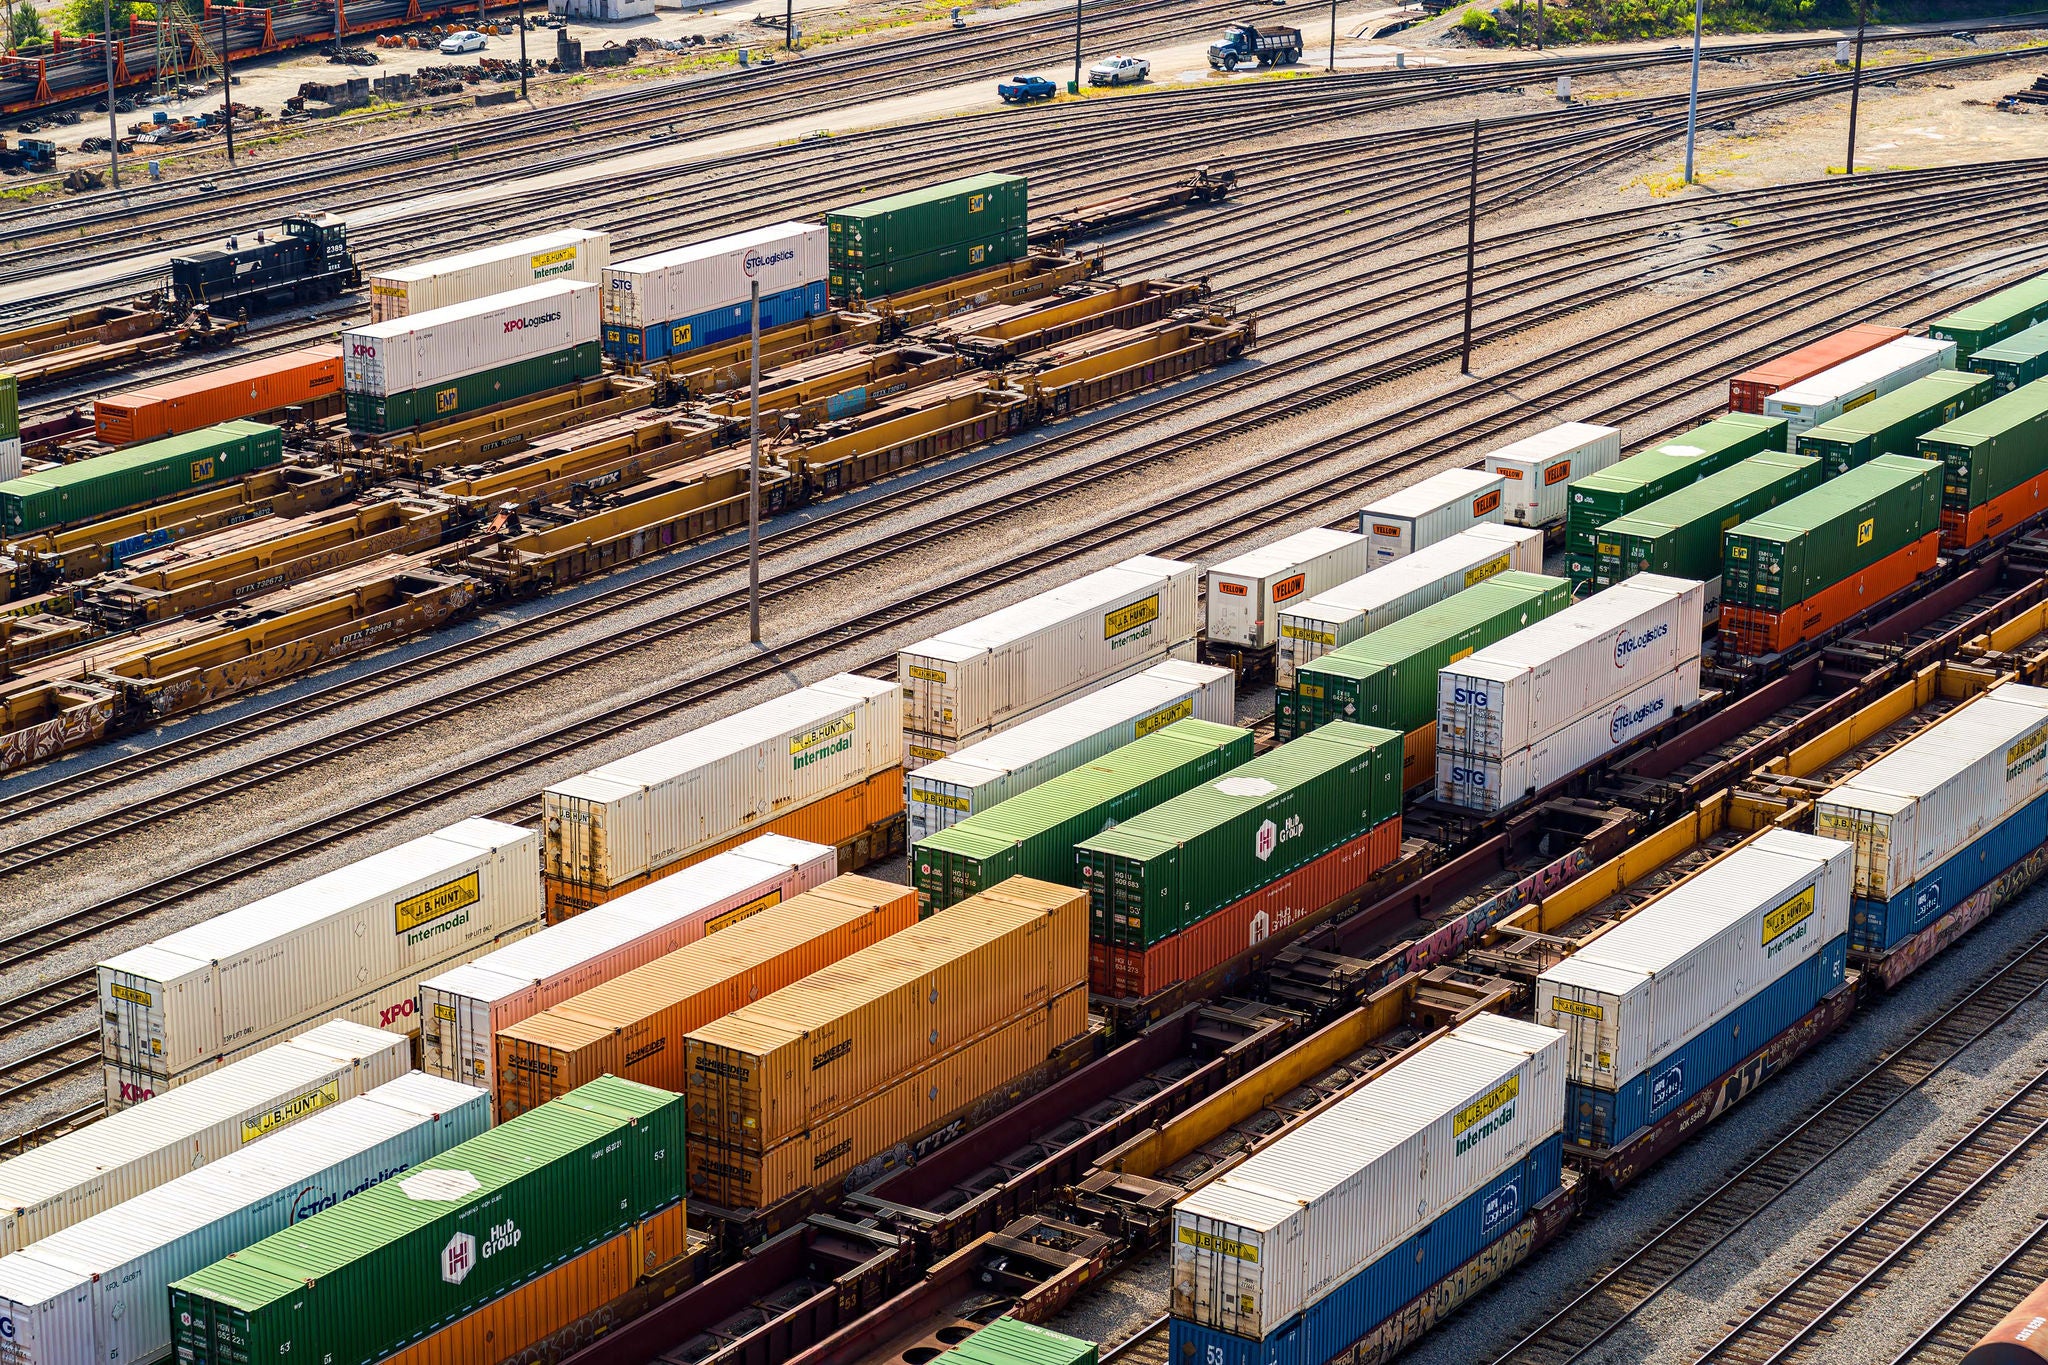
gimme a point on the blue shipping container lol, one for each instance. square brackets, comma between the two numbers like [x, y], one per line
[1875, 926]
[683, 335]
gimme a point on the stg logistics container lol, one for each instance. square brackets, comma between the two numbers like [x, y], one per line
[462, 1011]
[697, 295]
[821, 763]
[1375, 600]
[571, 254]
[1661, 470]
[1748, 390]
[1663, 1004]
[104, 484]
[91, 1169]
[1990, 321]
[100, 1290]
[2019, 359]
[1247, 592]
[1943, 814]
[1995, 466]
[985, 774]
[251, 389]
[1318, 1237]
[1422, 514]
[353, 943]
[1889, 425]
[363, 1279]
[1538, 468]
[1853, 383]
[446, 362]
[1680, 535]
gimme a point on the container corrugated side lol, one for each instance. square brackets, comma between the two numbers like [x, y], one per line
[388, 359]
[927, 219]
[1680, 535]
[1992, 450]
[2019, 359]
[1650, 474]
[649, 291]
[1991, 320]
[570, 254]
[1856, 382]
[1246, 593]
[100, 484]
[1539, 469]
[1890, 425]
[1435, 509]
[1783, 557]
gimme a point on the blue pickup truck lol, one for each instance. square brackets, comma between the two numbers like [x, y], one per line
[1024, 89]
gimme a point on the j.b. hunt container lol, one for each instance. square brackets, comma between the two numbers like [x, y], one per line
[353, 942]
[1247, 592]
[2019, 359]
[1681, 535]
[1995, 466]
[1673, 997]
[1853, 383]
[1424, 513]
[1748, 390]
[1891, 424]
[677, 301]
[1538, 469]
[1992, 320]
[449, 361]
[571, 254]
[1661, 470]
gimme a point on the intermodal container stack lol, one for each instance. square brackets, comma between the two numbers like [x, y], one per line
[1246, 593]
[1942, 815]
[1435, 509]
[104, 484]
[2019, 359]
[578, 254]
[1033, 834]
[1995, 466]
[1992, 320]
[1748, 390]
[1316, 1239]
[801, 1087]
[251, 389]
[1658, 472]
[353, 943]
[1191, 884]
[1680, 535]
[677, 301]
[1891, 424]
[1539, 469]
[634, 1024]
[823, 763]
[1809, 564]
[1852, 383]
[906, 241]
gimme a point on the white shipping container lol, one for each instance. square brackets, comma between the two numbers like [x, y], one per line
[647, 810]
[1002, 666]
[993, 770]
[1539, 469]
[91, 1169]
[1246, 592]
[1375, 600]
[341, 939]
[1857, 381]
[1489, 783]
[1435, 509]
[1941, 790]
[572, 254]
[920, 749]
[462, 1011]
[403, 354]
[10, 458]
[1519, 691]
[1298, 1218]
[1647, 986]
[649, 290]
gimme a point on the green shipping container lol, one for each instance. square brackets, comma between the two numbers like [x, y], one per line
[1007, 1341]
[1033, 834]
[1792, 552]
[1996, 318]
[1171, 866]
[398, 1262]
[1889, 425]
[1662, 469]
[1388, 678]
[10, 408]
[1680, 535]
[106, 484]
[980, 207]
[914, 272]
[2019, 359]
[1992, 450]
[474, 392]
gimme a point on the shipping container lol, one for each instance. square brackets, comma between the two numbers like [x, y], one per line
[653, 809]
[91, 1169]
[10, 408]
[92, 488]
[1439, 507]
[1798, 549]
[925, 220]
[579, 254]
[1247, 592]
[1990, 321]
[677, 301]
[850, 285]
[346, 1286]
[251, 389]
[1004, 665]
[634, 1025]
[1943, 813]
[1667, 1001]
[1680, 535]
[1163, 870]
[1748, 390]
[985, 774]
[2019, 359]
[1033, 834]
[338, 944]
[1007, 1341]
[446, 362]
[10, 457]
[1375, 600]
[1662, 470]
[1851, 384]
[1539, 468]
[1995, 466]
[1891, 424]
[462, 1011]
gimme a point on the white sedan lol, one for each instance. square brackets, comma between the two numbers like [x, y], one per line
[1119, 71]
[469, 40]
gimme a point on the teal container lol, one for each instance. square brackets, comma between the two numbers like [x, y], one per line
[877, 231]
[1891, 424]
[401, 411]
[1643, 478]
[2018, 360]
[105, 484]
[1681, 535]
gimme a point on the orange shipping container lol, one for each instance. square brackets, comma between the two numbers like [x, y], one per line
[296, 379]
[767, 1072]
[634, 1025]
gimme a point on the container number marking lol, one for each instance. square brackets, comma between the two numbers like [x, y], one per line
[1866, 530]
[1789, 915]
[131, 995]
[740, 912]
[1209, 1241]
[428, 906]
[293, 1109]
[1578, 1007]
[1123, 619]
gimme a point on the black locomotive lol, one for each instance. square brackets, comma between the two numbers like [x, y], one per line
[308, 258]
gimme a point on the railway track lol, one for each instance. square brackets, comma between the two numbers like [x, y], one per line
[2002, 1288]
[1146, 1346]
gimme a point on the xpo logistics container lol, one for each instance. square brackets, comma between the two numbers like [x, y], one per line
[1317, 1238]
[1853, 383]
[1538, 468]
[91, 1169]
[462, 1011]
[1890, 425]
[822, 763]
[1989, 321]
[578, 254]
[1941, 816]
[1439, 507]
[295, 379]
[1995, 466]
[353, 943]
[909, 240]
[100, 1290]
[88, 489]
[1247, 592]
[1668, 1001]
[1748, 390]
[678, 301]
[2019, 359]
[1651, 474]
[1680, 535]
[985, 774]
[446, 362]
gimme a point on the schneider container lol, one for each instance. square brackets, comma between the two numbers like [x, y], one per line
[1661, 470]
[1891, 424]
[2019, 359]
[251, 389]
[1247, 593]
[86, 490]
[1748, 390]
[1439, 507]
[576, 254]
[1994, 466]
[677, 301]
[1680, 535]
[1990, 321]
[1851, 384]
[1539, 469]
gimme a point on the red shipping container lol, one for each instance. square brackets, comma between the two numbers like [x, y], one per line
[295, 379]
[1753, 632]
[1747, 391]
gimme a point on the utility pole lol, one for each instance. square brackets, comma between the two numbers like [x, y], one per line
[522, 50]
[788, 25]
[1471, 252]
[754, 476]
[113, 124]
[1856, 86]
[227, 85]
[1519, 8]
[1539, 25]
[1333, 35]
[1692, 108]
[1074, 86]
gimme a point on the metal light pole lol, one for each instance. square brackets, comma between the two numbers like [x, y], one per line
[1333, 35]
[113, 125]
[1471, 252]
[1074, 86]
[522, 49]
[754, 476]
[1856, 86]
[227, 85]
[788, 25]
[1692, 108]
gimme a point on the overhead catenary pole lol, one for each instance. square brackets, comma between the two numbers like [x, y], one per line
[1471, 252]
[227, 86]
[113, 125]
[1692, 107]
[754, 472]
[1855, 87]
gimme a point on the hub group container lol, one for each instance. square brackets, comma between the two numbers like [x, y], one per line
[1439, 507]
[91, 1169]
[86, 490]
[2019, 359]
[1315, 1239]
[677, 301]
[353, 943]
[986, 774]
[1680, 535]
[1748, 390]
[446, 362]
[1666, 1002]
[1658, 472]
[1247, 592]
[1943, 814]
[578, 254]
[908, 240]
[251, 389]
[1992, 320]
[1540, 468]
[1853, 383]
[1891, 424]
[1995, 466]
